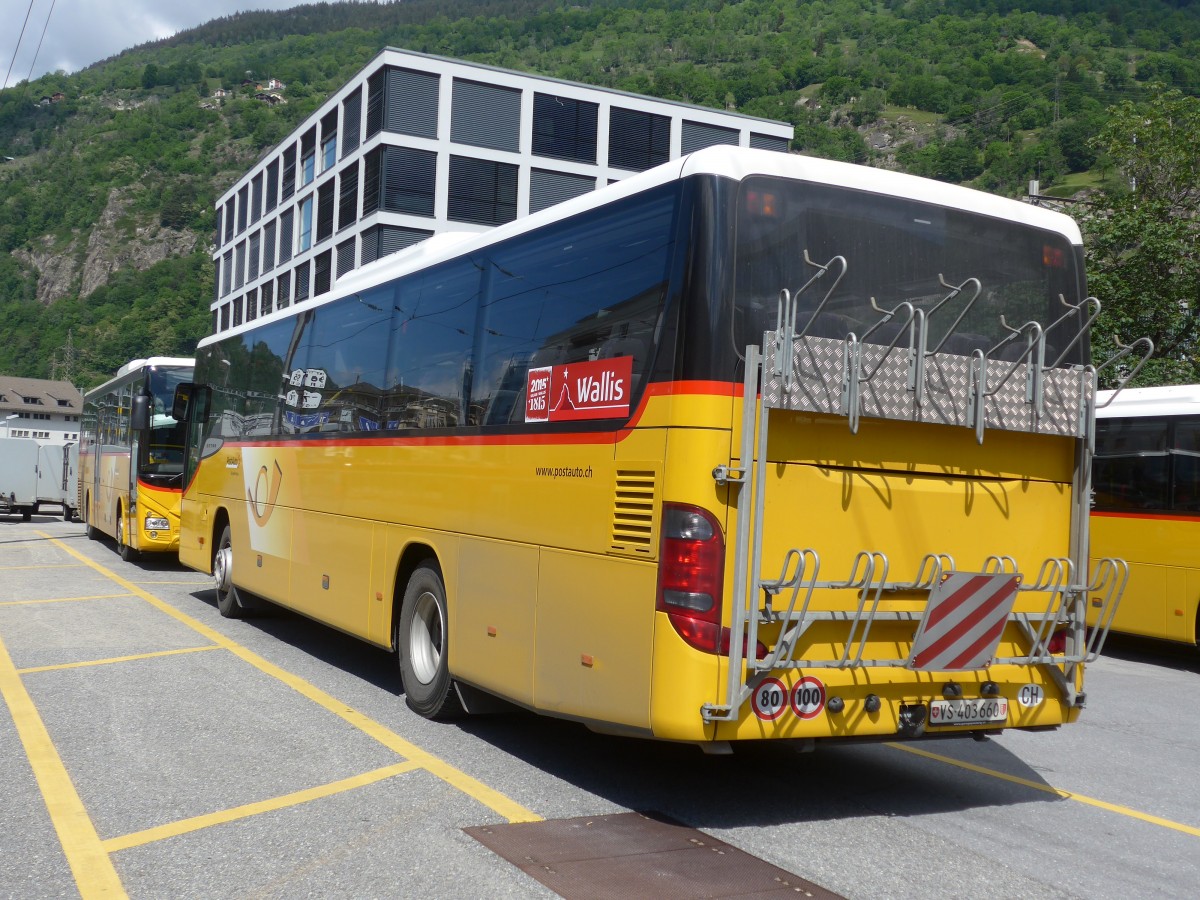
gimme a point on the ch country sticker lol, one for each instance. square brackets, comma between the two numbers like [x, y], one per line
[266, 491]
[596, 389]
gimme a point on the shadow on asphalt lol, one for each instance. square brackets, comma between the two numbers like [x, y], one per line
[835, 781]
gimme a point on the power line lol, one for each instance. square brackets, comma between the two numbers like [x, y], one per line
[42, 38]
[18, 47]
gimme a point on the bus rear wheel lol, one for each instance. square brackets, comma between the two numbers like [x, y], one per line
[421, 641]
[228, 603]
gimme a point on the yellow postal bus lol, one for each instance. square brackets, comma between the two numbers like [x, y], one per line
[131, 457]
[746, 446]
[1147, 506]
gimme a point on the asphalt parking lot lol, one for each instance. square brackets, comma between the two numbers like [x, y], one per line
[150, 748]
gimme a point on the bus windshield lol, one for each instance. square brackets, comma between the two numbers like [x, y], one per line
[896, 250]
[160, 458]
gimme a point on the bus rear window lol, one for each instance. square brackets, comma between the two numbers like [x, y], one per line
[897, 250]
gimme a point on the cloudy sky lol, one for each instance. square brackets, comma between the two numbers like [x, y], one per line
[73, 34]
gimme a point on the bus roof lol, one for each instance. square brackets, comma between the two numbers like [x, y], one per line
[731, 162]
[1173, 400]
[136, 365]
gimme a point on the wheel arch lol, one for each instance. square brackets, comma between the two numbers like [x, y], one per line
[219, 520]
[412, 556]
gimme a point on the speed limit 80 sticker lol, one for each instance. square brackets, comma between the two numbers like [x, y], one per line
[772, 697]
[769, 699]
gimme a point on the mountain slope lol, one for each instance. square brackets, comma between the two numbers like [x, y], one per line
[106, 207]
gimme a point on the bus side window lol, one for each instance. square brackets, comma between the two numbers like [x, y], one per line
[1186, 481]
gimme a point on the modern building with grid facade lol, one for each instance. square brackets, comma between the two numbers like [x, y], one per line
[415, 145]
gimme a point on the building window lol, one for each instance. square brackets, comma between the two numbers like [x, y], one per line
[284, 296]
[548, 188]
[227, 273]
[225, 317]
[399, 179]
[308, 157]
[564, 128]
[348, 199]
[302, 282]
[285, 234]
[268, 247]
[243, 207]
[252, 306]
[325, 207]
[272, 185]
[289, 172]
[329, 141]
[322, 273]
[239, 266]
[252, 262]
[304, 241]
[482, 191]
[768, 142]
[345, 257]
[351, 122]
[484, 115]
[230, 221]
[256, 196]
[697, 136]
[266, 301]
[402, 101]
[637, 140]
[380, 240]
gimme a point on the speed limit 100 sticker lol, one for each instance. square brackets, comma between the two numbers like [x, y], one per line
[769, 699]
[808, 697]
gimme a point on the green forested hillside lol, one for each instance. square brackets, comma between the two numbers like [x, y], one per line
[106, 205]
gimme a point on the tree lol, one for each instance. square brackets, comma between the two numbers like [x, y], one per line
[1143, 233]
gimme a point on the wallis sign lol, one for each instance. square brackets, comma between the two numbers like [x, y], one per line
[598, 389]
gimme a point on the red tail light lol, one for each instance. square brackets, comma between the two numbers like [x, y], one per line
[691, 572]
[1057, 642]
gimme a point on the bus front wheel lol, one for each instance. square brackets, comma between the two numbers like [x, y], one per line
[228, 603]
[421, 641]
[127, 553]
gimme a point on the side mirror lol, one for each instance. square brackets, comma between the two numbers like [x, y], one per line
[139, 414]
[181, 406]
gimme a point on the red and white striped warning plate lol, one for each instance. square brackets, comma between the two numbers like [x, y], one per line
[963, 621]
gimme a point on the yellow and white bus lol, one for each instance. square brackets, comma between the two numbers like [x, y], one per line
[747, 446]
[131, 457]
[1146, 507]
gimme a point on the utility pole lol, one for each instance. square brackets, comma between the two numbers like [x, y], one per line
[62, 365]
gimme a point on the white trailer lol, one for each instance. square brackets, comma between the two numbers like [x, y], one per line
[18, 477]
[58, 477]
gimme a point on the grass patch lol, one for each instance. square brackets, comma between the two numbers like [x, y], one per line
[1073, 183]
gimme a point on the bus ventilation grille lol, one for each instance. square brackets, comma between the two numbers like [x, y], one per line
[633, 529]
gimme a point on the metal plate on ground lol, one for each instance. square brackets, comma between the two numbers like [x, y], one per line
[631, 855]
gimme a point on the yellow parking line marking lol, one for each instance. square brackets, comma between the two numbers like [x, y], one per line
[207, 581]
[1048, 789]
[115, 659]
[184, 826]
[94, 873]
[472, 787]
[55, 566]
[62, 599]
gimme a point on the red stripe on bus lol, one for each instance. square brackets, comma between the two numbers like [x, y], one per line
[1165, 517]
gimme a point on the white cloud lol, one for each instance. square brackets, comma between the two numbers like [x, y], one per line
[78, 33]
